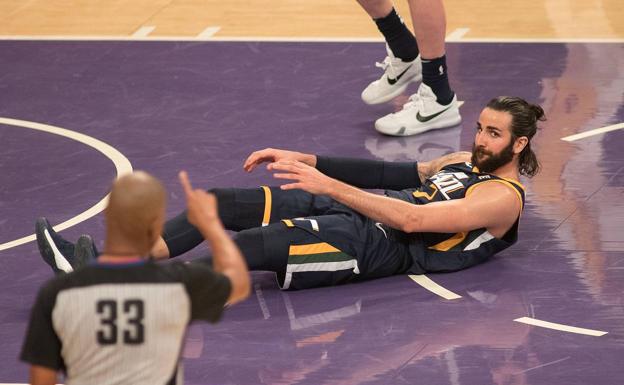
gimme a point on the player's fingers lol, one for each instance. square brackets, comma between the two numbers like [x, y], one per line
[283, 165]
[256, 158]
[253, 163]
[251, 159]
[286, 176]
[291, 186]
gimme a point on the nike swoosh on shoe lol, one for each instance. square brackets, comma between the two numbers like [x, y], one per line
[424, 119]
[393, 81]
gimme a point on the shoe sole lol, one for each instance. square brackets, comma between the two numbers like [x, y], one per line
[438, 124]
[47, 248]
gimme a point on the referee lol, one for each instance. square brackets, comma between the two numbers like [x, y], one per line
[122, 320]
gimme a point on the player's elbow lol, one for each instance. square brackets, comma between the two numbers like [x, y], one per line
[409, 227]
[411, 223]
[40, 375]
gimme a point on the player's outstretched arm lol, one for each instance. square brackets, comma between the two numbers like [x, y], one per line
[361, 173]
[494, 206]
[227, 258]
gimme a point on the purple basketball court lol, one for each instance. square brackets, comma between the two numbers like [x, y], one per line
[203, 107]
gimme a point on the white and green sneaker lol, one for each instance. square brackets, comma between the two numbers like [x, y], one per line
[395, 79]
[422, 113]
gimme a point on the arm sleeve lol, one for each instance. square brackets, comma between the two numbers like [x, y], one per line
[207, 290]
[42, 346]
[375, 174]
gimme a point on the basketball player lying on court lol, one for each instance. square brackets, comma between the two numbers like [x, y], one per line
[321, 229]
[122, 320]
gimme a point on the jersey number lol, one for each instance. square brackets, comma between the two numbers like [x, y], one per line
[133, 331]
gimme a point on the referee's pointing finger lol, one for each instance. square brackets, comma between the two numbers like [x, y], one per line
[186, 184]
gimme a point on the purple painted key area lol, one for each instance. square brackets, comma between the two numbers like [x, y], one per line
[204, 107]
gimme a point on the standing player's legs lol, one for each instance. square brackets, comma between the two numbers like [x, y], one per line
[429, 19]
[435, 104]
[240, 209]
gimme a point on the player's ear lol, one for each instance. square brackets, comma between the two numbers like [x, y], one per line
[520, 144]
[155, 231]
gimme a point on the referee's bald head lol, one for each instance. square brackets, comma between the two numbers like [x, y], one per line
[135, 213]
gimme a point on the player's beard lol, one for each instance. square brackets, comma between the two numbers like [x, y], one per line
[489, 162]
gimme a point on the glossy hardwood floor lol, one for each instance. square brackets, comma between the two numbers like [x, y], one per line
[472, 19]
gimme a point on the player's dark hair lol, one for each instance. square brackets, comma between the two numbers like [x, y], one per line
[524, 118]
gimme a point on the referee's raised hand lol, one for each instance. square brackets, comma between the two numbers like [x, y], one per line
[226, 257]
[202, 205]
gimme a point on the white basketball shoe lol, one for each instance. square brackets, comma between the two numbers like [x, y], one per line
[395, 79]
[422, 113]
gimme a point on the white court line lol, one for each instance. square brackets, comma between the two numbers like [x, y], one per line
[303, 39]
[262, 302]
[560, 327]
[543, 365]
[593, 132]
[143, 31]
[122, 165]
[433, 287]
[539, 40]
[195, 38]
[457, 34]
[208, 32]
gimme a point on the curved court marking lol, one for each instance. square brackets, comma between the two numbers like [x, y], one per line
[593, 132]
[122, 165]
[433, 287]
[560, 327]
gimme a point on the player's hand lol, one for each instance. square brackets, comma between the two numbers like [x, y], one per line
[303, 177]
[202, 206]
[275, 155]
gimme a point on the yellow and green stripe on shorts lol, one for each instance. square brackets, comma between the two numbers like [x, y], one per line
[317, 257]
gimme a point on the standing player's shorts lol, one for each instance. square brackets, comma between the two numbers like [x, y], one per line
[328, 243]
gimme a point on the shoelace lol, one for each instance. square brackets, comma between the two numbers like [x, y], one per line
[387, 62]
[417, 100]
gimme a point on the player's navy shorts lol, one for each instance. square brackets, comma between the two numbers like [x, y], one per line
[337, 245]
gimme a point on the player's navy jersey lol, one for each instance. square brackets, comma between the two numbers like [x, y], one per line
[121, 323]
[449, 252]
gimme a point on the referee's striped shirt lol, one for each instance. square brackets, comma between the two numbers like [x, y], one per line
[121, 323]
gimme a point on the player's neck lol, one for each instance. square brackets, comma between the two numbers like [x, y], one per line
[508, 171]
[120, 251]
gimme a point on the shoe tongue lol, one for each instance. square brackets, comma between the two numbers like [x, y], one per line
[389, 52]
[425, 92]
